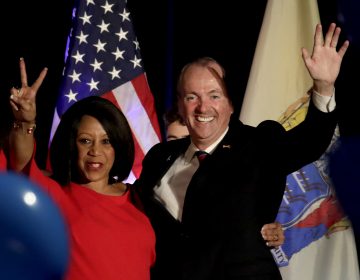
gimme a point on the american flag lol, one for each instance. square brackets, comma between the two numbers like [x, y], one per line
[103, 58]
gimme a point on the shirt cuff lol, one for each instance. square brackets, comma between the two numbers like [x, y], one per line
[325, 104]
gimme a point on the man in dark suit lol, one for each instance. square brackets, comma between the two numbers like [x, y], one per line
[273, 233]
[208, 215]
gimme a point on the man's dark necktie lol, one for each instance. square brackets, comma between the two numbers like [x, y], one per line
[201, 155]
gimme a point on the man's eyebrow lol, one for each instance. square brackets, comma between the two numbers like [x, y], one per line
[216, 90]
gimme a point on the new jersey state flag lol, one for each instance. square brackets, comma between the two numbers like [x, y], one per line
[103, 58]
[319, 241]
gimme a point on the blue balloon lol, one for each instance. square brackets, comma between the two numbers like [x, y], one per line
[34, 242]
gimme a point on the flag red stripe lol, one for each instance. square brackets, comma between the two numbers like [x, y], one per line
[139, 154]
[146, 98]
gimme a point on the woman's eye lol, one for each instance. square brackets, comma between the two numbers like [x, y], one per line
[106, 141]
[84, 141]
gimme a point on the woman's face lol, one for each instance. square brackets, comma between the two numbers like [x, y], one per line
[96, 155]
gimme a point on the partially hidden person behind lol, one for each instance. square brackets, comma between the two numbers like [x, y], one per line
[4, 133]
[207, 212]
[273, 233]
[91, 153]
[3, 160]
[174, 125]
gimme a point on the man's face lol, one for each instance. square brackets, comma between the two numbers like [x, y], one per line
[204, 105]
